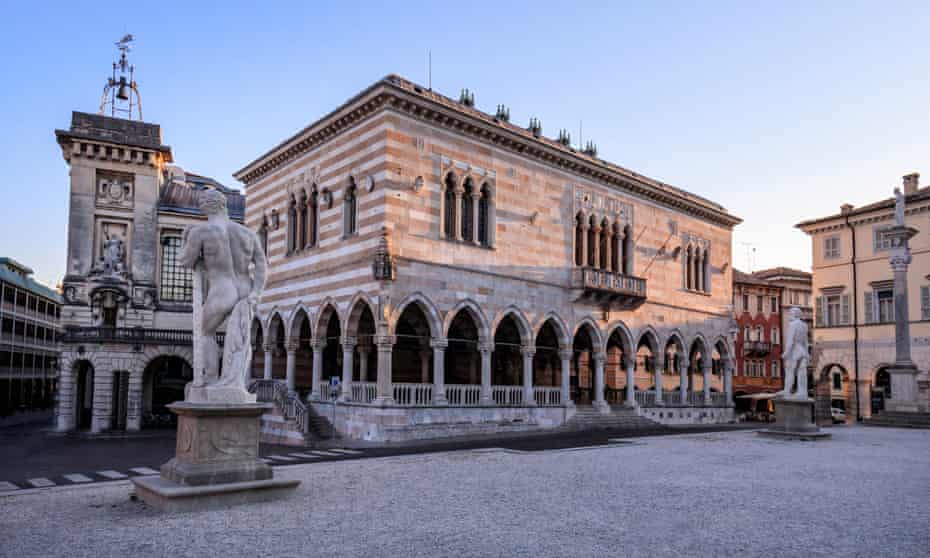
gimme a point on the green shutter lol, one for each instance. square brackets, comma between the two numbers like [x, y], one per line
[844, 310]
[867, 306]
[818, 311]
[925, 302]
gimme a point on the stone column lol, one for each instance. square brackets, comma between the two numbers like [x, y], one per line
[728, 381]
[291, 369]
[268, 349]
[528, 397]
[657, 374]
[475, 214]
[705, 377]
[485, 348]
[363, 351]
[608, 249]
[385, 344]
[683, 366]
[584, 244]
[618, 253]
[565, 355]
[348, 365]
[597, 248]
[459, 190]
[903, 373]
[439, 371]
[599, 359]
[317, 377]
[630, 381]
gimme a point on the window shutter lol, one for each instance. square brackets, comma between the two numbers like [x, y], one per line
[844, 310]
[867, 305]
[818, 311]
[925, 302]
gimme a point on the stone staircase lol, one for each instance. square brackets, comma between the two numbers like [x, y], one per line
[276, 428]
[619, 418]
[899, 420]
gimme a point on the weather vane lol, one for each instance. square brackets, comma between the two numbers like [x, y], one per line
[121, 91]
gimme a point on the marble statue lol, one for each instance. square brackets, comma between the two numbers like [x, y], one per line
[795, 357]
[898, 207]
[229, 275]
[111, 257]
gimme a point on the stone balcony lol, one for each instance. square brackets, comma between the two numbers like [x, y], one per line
[619, 291]
[130, 335]
[756, 348]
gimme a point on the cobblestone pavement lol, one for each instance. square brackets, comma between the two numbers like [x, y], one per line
[862, 493]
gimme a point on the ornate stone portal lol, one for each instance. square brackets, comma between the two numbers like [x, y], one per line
[794, 409]
[216, 460]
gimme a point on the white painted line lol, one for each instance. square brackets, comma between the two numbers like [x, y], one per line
[281, 458]
[78, 478]
[40, 482]
[266, 461]
[324, 453]
[7, 486]
[346, 451]
[112, 475]
[303, 455]
[144, 471]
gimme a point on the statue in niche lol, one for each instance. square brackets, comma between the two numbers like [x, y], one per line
[795, 357]
[229, 275]
[111, 256]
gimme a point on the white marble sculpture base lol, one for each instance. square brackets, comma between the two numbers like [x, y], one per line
[217, 394]
[794, 421]
[903, 389]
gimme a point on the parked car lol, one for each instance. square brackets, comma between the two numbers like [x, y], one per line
[839, 415]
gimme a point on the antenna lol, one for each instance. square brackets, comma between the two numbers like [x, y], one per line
[430, 69]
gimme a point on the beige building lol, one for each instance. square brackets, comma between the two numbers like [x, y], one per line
[853, 289]
[460, 273]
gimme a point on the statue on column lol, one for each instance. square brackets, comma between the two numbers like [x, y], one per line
[795, 357]
[229, 275]
[899, 203]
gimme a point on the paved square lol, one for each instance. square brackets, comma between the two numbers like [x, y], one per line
[862, 493]
[78, 478]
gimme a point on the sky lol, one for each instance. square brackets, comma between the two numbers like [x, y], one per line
[780, 111]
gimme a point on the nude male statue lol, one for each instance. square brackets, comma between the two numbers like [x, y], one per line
[795, 357]
[231, 258]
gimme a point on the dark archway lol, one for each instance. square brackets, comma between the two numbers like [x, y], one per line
[84, 394]
[411, 360]
[462, 358]
[881, 390]
[163, 383]
[546, 364]
[582, 378]
[506, 360]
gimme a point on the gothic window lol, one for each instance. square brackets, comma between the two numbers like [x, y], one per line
[302, 221]
[628, 250]
[705, 271]
[468, 208]
[292, 226]
[449, 206]
[579, 239]
[177, 283]
[484, 216]
[350, 209]
[689, 281]
[604, 244]
[592, 249]
[313, 217]
[616, 249]
[925, 302]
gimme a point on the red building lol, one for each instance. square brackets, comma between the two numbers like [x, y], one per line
[757, 309]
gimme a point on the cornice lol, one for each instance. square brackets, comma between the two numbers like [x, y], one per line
[405, 98]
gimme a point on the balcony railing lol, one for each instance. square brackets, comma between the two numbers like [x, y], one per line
[756, 348]
[131, 335]
[617, 289]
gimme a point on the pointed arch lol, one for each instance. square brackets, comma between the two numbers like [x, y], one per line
[298, 315]
[597, 337]
[356, 308]
[676, 338]
[699, 343]
[523, 325]
[472, 307]
[447, 198]
[327, 310]
[433, 319]
[626, 337]
[561, 328]
[649, 337]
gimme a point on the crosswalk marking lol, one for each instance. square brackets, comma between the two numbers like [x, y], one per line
[281, 458]
[144, 471]
[345, 451]
[78, 478]
[40, 482]
[7, 486]
[266, 461]
[113, 475]
[324, 453]
[303, 455]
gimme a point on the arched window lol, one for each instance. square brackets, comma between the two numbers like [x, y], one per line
[705, 272]
[605, 245]
[579, 239]
[448, 228]
[312, 217]
[302, 221]
[616, 249]
[484, 216]
[468, 208]
[689, 268]
[350, 208]
[592, 249]
[291, 225]
[628, 250]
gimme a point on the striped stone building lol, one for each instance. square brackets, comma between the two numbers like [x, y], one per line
[462, 274]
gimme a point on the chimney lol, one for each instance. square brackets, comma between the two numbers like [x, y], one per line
[910, 183]
[846, 208]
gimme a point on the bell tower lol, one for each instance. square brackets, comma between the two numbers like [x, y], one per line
[116, 164]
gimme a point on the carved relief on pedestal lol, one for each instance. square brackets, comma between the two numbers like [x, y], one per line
[114, 190]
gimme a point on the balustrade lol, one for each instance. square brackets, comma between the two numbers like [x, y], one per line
[463, 394]
[507, 396]
[645, 398]
[413, 395]
[718, 399]
[364, 392]
[547, 396]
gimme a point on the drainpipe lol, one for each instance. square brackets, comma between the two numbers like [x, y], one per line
[855, 317]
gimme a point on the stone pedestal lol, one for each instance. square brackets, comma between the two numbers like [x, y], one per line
[903, 389]
[794, 421]
[216, 462]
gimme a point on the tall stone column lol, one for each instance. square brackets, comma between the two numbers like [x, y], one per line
[599, 402]
[439, 371]
[903, 373]
[597, 248]
[385, 344]
[268, 349]
[630, 381]
[528, 397]
[728, 381]
[317, 377]
[657, 373]
[459, 190]
[348, 365]
[485, 349]
[584, 244]
[608, 249]
[705, 377]
[291, 369]
[475, 214]
[684, 364]
[363, 351]
[565, 355]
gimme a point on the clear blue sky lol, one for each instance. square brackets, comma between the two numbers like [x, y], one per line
[778, 110]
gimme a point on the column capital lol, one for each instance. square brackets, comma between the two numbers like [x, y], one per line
[267, 346]
[383, 341]
[527, 350]
[599, 357]
[348, 343]
[318, 344]
[291, 345]
[566, 354]
[486, 346]
[440, 344]
[684, 363]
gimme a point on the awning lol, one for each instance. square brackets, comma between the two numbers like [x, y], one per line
[757, 396]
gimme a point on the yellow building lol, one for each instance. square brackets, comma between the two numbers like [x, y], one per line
[853, 289]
